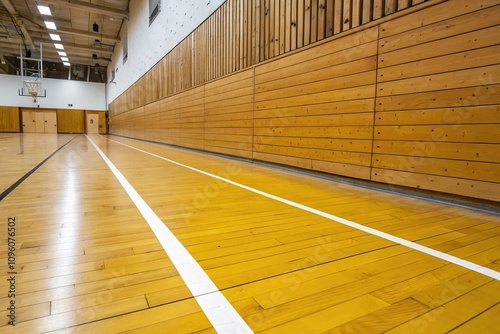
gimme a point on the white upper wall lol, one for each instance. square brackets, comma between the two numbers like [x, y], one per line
[147, 45]
[60, 94]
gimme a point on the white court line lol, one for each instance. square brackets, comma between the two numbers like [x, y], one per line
[218, 310]
[443, 256]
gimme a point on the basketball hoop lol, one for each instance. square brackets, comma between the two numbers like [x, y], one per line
[32, 87]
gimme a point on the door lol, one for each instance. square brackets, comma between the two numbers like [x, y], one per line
[29, 121]
[39, 122]
[92, 123]
[50, 121]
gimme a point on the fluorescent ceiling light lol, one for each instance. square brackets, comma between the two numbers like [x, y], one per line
[55, 37]
[50, 25]
[44, 10]
[66, 64]
[62, 53]
[64, 59]
[59, 46]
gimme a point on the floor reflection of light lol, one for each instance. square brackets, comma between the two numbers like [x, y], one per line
[69, 211]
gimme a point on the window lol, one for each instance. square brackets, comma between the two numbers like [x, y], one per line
[154, 9]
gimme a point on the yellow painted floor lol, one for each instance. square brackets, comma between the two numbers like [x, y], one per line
[86, 260]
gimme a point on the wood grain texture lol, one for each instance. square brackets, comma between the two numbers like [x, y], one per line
[10, 119]
[411, 101]
[87, 261]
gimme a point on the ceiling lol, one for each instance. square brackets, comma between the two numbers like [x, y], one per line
[21, 24]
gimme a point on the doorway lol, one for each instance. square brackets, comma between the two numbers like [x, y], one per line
[92, 123]
[39, 121]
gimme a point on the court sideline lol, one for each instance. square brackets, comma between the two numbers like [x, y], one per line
[87, 260]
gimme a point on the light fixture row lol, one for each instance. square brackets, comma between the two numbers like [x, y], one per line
[45, 10]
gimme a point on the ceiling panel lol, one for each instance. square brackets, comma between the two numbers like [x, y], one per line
[20, 22]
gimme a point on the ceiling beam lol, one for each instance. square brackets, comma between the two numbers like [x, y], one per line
[84, 33]
[49, 44]
[90, 7]
[17, 19]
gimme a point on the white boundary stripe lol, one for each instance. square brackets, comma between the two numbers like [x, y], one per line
[218, 310]
[444, 256]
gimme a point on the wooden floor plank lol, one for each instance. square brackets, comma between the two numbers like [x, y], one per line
[87, 261]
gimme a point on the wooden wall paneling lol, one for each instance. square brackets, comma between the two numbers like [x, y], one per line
[338, 22]
[197, 56]
[321, 19]
[191, 118]
[239, 21]
[224, 38]
[475, 21]
[288, 25]
[300, 23]
[10, 119]
[271, 18]
[327, 54]
[330, 12]
[314, 21]
[187, 64]
[232, 30]
[390, 7]
[466, 59]
[112, 108]
[378, 9]
[267, 28]
[164, 75]
[232, 38]
[356, 13]
[152, 121]
[218, 44]
[439, 12]
[139, 93]
[170, 74]
[323, 118]
[169, 114]
[213, 47]
[403, 4]
[70, 121]
[435, 66]
[241, 34]
[454, 44]
[261, 30]
[452, 102]
[307, 22]
[156, 82]
[228, 115]
[461, 187]
[346, 16]
[137, 117]
[367, 11]
[253, 26]
[282, 26]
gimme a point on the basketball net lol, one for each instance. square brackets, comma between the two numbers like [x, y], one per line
[32, 87]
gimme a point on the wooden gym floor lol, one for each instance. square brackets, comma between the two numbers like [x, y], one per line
[274, 244]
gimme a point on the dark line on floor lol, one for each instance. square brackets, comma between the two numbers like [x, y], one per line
[25, 176]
